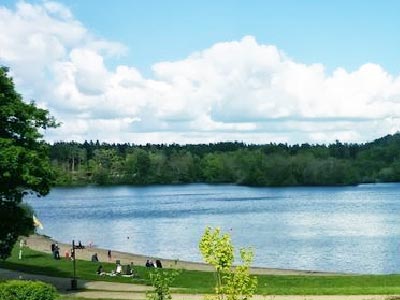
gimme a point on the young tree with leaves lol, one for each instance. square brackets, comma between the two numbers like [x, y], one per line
[24, 163]
[232, 283]
[161, 280]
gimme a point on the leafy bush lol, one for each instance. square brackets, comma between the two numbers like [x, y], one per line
[161, 280]
[232, 283]
[27, 290]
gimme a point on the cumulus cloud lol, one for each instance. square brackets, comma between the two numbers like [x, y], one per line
[236, 90]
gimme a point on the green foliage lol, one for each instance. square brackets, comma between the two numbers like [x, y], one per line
[217, 249]
[27, 290]
[24, 163]
[232, 283]
[10, 228]
[239, 284]
[161, 280]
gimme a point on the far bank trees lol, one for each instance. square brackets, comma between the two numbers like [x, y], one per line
[228, 162]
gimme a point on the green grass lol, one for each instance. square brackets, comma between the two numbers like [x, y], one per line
[36, 262]
[330, 285]
[203, 282]
[64, 297]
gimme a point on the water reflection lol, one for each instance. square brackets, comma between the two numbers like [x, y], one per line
[349, 229]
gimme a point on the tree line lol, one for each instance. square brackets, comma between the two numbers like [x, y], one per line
[229, 162]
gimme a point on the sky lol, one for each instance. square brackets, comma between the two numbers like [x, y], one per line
[208, 71]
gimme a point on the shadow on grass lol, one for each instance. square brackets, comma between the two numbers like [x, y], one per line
[32, 255]
[32, 269]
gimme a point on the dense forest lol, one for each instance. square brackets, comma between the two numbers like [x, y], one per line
[231, 162]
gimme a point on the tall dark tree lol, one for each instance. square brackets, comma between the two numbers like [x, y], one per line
[24, 163]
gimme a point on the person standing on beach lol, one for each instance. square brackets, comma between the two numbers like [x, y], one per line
[53, 248]
[109, 255]
[56, 251]
[66, 254]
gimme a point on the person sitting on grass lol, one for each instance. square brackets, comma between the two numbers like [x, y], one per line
[128, 270]
[118, 269]
[149, 263]
[100, 271]
[158, 263]
[131, 271]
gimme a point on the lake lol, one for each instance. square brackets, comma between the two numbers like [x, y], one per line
[342, 229]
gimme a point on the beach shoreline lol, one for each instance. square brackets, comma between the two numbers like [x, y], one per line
[43, 243]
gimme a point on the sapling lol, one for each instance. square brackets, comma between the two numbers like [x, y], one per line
[232, 283]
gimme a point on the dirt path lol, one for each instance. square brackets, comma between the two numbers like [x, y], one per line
[126, 296]
[42, 243]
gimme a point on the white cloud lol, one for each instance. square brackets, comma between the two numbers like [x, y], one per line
[238, 90]
[89, 72]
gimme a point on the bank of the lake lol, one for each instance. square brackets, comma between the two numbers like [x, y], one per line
[191, 282]
[43, 244]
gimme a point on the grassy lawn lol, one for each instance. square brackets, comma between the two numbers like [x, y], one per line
[62, 297]
[202, 282]
[36, 262]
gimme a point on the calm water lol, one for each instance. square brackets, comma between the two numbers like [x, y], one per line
[350, 229]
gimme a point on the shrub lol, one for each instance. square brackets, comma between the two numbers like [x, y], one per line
[161, 280]
[27, 290]
[232, 283]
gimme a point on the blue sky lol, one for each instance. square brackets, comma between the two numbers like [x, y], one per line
[335, 33]
[338, 47]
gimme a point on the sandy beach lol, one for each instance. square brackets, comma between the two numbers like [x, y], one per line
[43, 243]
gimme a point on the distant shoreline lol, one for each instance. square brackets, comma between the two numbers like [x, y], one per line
[73, 185]
[43, 243]
[83, 185]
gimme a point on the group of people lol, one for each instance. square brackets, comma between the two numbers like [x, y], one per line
[151, 264]
[69, 254]
[119, 270]
[80, 246]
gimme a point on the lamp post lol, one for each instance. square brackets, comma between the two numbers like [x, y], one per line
[74, 283]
